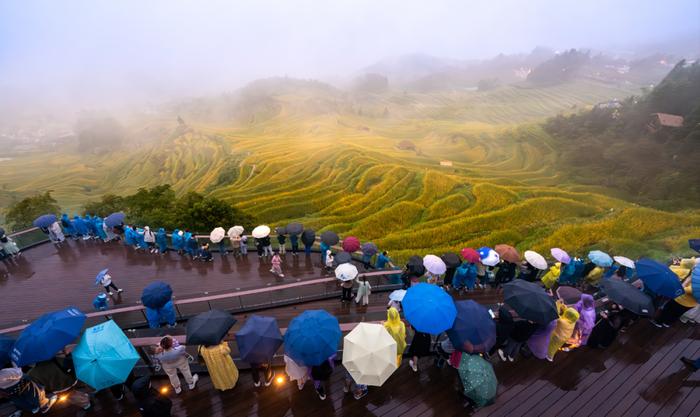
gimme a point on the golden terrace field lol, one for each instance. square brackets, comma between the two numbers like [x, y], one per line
[336, 169]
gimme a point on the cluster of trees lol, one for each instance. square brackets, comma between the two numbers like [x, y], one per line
[158, 207]
[614, 147]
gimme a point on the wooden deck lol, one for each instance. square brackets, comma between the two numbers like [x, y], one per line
[640, 375]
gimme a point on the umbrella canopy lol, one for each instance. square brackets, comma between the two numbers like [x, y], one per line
[694, 244]
[308, 237]
[47, 335]
[330, 238]
[6, 345]
[434, 264]
[508, 253]
[626, 262]
[429, 308]
[312, 337]
[217, 235]
[235, 231]
[209, 328]
[535, 259]
[415, 266]
[261, 232]
[478, 379]
[351, 244]
[488, 256]
[280, 230]
[114, 219]
[104, 356]
[259, 339]
[560, 255]
[342, 258]
[659, 278]
[451, 259]
[628, 296]
[369, 354]
[695, 281]
[42, 221]
[568, 295]
[470, 255]
[156, 294]
[294, 228]
[100, 275]
[369, 249]
[473, 331]
[530, 301]
[600, 258]
[397, 295]
[346, 272]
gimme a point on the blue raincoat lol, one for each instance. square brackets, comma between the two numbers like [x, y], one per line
[67, 225]
[139, 237]
[465, 276]
[165, 314]
[129, 238]
[80, 226]
[186, 245]
[99, 229]
[176, 240]
[162, 240]
[324, 248]
[90, 224]
[192, 245]
[567, 274]
[382, 260]
[100, 303]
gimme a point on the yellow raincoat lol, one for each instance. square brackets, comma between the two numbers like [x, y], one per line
[397, 330]
[222, 370]
[552, 276]
[565, 328]
[595, 275]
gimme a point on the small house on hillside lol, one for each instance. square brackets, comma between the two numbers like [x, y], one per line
[446, 163]
[664, 120]
[406, 145]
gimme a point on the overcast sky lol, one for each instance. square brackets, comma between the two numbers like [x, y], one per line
[98, 50]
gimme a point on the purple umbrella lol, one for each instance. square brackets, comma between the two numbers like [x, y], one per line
[369, 249]
[560, 255]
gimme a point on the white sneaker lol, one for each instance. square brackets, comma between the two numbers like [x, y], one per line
[413, 365]
[178, 390]
[501, 355]
[256, 384]
[120, 290]
[110, 293]
[510, 359]
[281, 275]
[195, 378]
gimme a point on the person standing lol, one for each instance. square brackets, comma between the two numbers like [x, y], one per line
[277, 265]
[162, 241]
[264, 368]
[173, 358]
[24, 393]
[99, 228]
[586, 310]
[294, 240]
[397, 330]
[321, 374]
[106, 282]
[149, 239]
[149, 401]
[346, 290]
[521, 332]
[222, 370]
[235, 245]
[259, 246]
[56, 234]
[282, 241]
[9, 246]
[363, 291]
[674, 309]
[420, 346]
[244, 245]
[329, 261]
[324, 248]
[505, 273]
[564, 329]
[296, 372]
[267, 246]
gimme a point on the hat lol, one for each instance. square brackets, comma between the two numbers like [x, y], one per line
[180, 233]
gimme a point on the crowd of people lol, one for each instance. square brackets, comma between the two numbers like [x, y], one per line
[592, 319]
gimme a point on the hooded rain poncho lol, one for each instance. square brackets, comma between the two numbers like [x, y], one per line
[564, 329]
[551, 277]
[586, 322]
[397, 330]
[162, 240]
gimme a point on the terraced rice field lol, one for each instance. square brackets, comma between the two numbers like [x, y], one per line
[344, 171]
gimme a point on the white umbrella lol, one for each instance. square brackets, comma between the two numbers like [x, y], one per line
[397, 295]
[624, 261]
[535, 259]
[217, 235]
[294, 370]
[369, 354]
[346, 272]
[434, 264]
[261, 232]
[235, 231]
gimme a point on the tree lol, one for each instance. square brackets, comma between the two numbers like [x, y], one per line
[22, 213]
[205, 213]
[109, 204]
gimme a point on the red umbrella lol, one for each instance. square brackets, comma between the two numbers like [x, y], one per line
[508, 253]
[351, 244]
[470, 255]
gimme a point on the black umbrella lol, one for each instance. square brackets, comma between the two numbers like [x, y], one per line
[308, 237]
[451, 259]
[342, 258]
[530, 301]
[209, 328]
[330, 238]
[693, 243]
[628, 296]
[415, 266]
[295, 228]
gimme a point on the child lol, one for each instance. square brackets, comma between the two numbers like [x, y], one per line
[282, 240]
[100, 302]
[244, 245]
[204, 253]
[106, 282]
[329, 261]
[149, 239]
[363, 291]
[277, 265]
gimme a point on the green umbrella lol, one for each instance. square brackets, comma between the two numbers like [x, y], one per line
[478, 379]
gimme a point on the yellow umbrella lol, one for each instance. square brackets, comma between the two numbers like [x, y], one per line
[369, 354]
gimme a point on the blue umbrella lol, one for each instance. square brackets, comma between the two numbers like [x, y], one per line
[100, 275]
[114, 219]
[312, 337]
[6, 344]
[694, 244]
[156, 294]
[104, 356]
[473, 331]
[429, 308]
[259, 339]
[44, 221]
[659, 278]
[600, 258]
[695, 282]
[47, 335]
